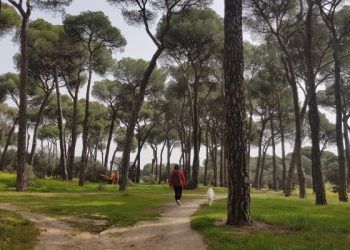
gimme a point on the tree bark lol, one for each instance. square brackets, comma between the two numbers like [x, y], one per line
[258, 163]
[36, 127]
[84, 156]
[133, 118]
[71, 153]
[238, 204]
[62, 163]
[274, 164]
[205, 182]
[110, 136]
[342, 190]
[21, 184]
[314, 119]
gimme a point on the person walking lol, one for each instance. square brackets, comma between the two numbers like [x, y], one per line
[178, 182]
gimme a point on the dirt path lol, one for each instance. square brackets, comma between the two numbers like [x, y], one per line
[171, 232]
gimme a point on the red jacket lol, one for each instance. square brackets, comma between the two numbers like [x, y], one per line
[182, 178]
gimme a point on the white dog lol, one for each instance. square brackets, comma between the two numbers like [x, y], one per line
[210, 195]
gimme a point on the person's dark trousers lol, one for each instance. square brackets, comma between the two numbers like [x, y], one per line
[178, 192]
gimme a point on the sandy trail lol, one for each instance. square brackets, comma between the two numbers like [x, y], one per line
[171, 232]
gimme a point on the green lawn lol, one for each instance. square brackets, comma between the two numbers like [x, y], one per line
[302, 225]
[93, 200]
[16, 232]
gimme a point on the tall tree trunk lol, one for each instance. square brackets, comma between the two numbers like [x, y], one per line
[314, 119]
[36, 127]
[7, 144]
[281, 128]
[168, 153]
[84, 156]
[207, 157]
[222, 162]
[347, 146]
[110, 136]
[196, 136]
[71, 153]
[161, 163]
[274, 164]
[296, 158]
[258, 163]
[22, 114]
[261, 174]
[238, 204]
[112, 160]
[213, 157]
[342, 190]
[133, 118]
[62, 164]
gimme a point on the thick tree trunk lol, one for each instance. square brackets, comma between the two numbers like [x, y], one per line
[62, 164]
[133, 118]
[22, 114]
[314, 119]
[342, 190]
[238, 204]
[7, 144]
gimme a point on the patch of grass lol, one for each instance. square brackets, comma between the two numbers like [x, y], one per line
[58, 198]
[16, 232]
[307, 226]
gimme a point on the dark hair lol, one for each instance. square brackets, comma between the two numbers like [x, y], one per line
[176, 167]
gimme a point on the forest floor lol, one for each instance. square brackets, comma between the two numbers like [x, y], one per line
[171, 231]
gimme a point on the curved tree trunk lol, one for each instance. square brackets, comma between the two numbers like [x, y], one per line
[238, 204]
[133, 118]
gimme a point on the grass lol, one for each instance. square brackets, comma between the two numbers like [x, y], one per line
[93, 200]
[305, 225]
[16, 232]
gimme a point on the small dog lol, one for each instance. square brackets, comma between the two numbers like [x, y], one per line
[210, 195]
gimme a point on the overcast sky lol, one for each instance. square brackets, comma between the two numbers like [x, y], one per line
[138, 43]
